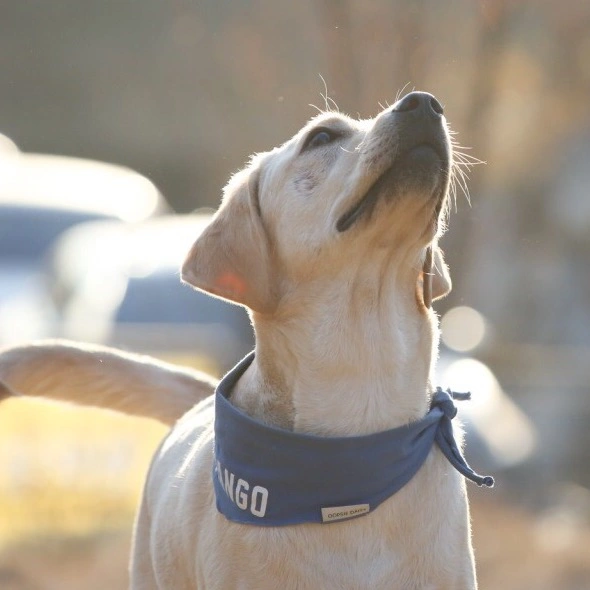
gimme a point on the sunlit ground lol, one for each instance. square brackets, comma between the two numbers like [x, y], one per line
[69, 471]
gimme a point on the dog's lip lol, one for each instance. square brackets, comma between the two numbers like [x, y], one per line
[365, 203]
[369, 199]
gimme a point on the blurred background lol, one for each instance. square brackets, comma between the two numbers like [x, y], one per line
[121, 122]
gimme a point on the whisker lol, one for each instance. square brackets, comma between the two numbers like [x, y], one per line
[460, 179]
[400, 92]
[325, 94]
[467, 160]
[360, 145]
[461, 150]
[329, 103]
[334, 108]
[454, 195]
[462, 163]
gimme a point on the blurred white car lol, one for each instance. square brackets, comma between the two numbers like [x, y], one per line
[41, 196]
[120, 285]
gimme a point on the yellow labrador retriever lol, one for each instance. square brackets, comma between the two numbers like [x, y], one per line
[330, 240]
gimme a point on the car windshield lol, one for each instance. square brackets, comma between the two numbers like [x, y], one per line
[27, 232]
[162, 298]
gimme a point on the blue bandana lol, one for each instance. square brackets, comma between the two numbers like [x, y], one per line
[268, 476]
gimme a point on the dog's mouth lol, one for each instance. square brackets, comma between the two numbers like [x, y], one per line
[423, 167]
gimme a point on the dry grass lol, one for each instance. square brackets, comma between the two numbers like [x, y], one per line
[69, 471]
[96, 561]
[516, 550]
[70, 481]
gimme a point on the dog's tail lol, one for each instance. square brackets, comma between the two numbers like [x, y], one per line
[103, 377]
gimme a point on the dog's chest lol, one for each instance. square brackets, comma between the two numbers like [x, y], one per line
[409, 542]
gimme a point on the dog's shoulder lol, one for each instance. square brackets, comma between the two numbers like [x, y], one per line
[185, 453]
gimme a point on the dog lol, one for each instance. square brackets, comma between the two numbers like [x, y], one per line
[331, 242]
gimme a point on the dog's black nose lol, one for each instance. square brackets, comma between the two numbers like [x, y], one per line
[419, 103]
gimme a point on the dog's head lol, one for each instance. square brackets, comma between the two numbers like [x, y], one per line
[340, 193]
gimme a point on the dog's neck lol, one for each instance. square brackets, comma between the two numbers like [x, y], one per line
[343, 361]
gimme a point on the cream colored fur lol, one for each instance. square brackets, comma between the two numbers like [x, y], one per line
[103, 377]
[344, 346]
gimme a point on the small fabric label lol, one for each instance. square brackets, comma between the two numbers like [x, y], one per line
[334, 513]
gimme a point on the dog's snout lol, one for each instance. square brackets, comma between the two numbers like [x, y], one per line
[419, 104]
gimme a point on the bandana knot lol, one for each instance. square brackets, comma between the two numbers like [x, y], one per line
[444, 400]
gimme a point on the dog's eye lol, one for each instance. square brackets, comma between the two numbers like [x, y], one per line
[318, 137]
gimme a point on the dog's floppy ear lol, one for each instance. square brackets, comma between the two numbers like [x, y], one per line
[441, 278]
[231, 259]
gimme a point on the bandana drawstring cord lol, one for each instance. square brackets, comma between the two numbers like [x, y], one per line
[445, 439]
